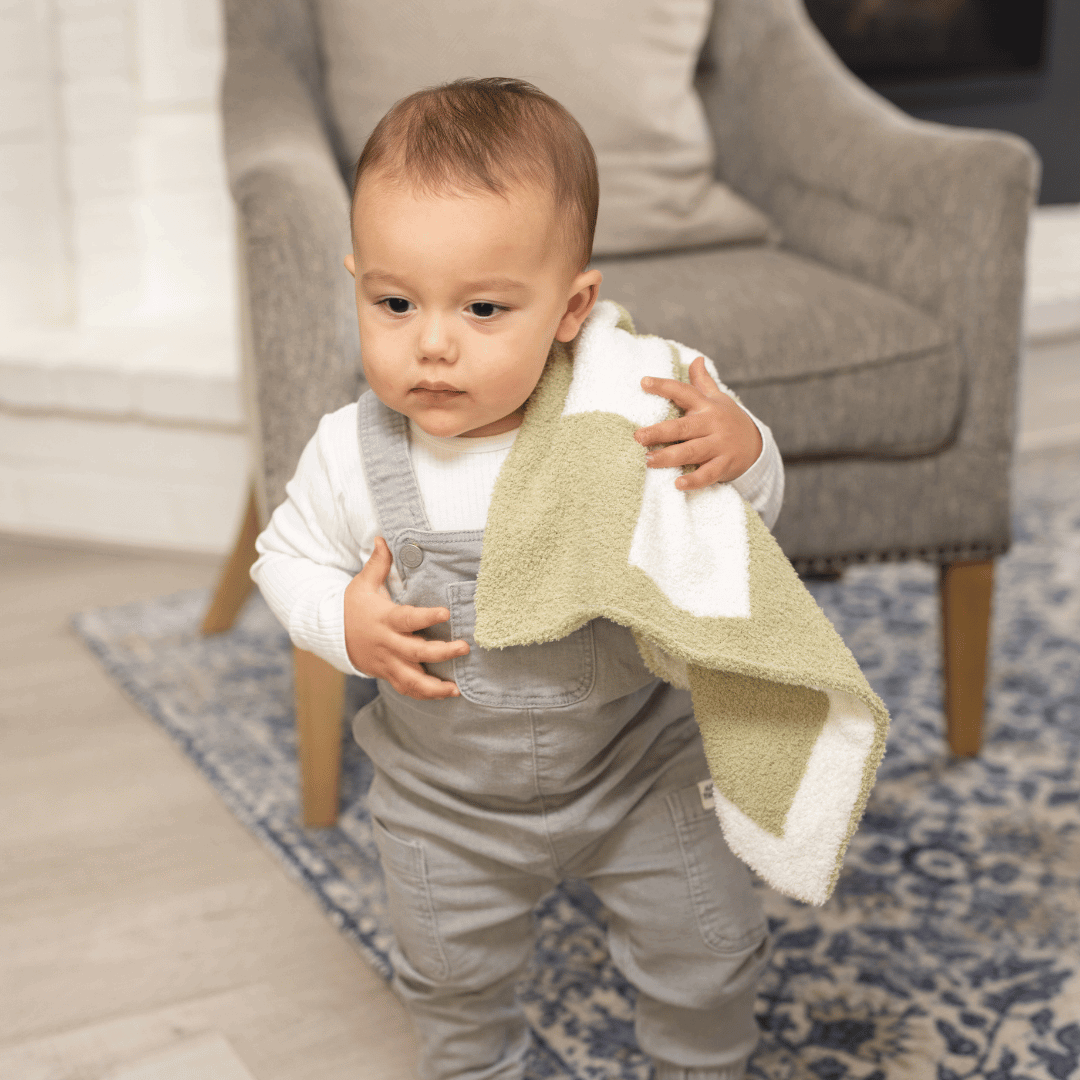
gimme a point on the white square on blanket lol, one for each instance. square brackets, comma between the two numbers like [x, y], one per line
[609, 365]
[694, 546]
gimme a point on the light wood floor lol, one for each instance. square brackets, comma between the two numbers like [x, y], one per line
[144, 933]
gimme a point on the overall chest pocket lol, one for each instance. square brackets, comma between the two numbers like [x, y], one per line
[543, 676]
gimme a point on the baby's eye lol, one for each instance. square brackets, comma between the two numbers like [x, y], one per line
[397, 304]
[482, 309]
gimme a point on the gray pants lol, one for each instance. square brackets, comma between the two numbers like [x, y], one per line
[684, 926]
[566, 759]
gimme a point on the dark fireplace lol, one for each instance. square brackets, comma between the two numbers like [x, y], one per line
[916, 40]
[1010, 64]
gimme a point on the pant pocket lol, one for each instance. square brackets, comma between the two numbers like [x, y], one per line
[412, 914]
[545, 676]
[729, 912]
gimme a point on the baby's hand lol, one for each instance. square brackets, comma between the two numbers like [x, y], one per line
[381, 639]
[715, 433]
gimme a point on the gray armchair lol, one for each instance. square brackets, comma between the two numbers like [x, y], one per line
[879, 340]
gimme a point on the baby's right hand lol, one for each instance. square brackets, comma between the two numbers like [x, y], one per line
[381, 638]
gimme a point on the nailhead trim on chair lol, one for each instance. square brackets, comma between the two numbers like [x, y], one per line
[834, 564]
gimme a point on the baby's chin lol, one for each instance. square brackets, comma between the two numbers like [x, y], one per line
[449, 426]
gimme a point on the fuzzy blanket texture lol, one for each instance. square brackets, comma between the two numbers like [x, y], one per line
[579, 528]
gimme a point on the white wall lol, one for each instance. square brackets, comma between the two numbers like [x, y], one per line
[115, 206]
[35, 229]
[120, 418]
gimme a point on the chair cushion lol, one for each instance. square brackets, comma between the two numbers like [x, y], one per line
[834, 366]
[624, 69]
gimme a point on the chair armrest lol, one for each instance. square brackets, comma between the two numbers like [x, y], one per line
[936, 215]
[301, 349]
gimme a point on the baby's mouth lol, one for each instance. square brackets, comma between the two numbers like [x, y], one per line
[436, 390]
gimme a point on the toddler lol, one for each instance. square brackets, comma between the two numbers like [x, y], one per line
[472, 223]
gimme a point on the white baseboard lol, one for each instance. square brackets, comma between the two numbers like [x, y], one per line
[130, 436]
[122, 482]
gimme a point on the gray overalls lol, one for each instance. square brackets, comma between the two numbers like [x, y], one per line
[567, 759]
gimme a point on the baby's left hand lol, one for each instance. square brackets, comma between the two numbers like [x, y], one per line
[715, 433]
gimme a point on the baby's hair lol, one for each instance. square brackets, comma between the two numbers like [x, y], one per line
[489, 134]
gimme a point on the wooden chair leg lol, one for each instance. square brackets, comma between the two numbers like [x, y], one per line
[235, 584]
[966, 589]
[319, 687]
[320, 693]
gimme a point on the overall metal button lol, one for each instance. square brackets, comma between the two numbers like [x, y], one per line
[411, 556]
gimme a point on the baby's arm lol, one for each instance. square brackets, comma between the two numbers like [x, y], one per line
[720, 436]
[309, 571]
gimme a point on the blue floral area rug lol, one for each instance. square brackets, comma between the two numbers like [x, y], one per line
[951, 948]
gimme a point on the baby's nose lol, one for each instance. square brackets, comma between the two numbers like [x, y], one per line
[436, 340]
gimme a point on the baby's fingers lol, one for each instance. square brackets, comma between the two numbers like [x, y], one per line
[682, 394]
[376, 570]
[412, 681]
[703, 476]
[420, 650]
[693, 452]
[675, 430]
[406, 619]
[700, 377]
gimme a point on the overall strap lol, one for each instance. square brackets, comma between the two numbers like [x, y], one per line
[384, 450]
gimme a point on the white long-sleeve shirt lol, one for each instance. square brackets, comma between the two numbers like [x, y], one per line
[319, 538]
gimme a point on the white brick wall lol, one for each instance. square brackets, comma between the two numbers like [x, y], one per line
[187, 222]
[120, 417]
[180, 50]
[35, 256]
[114, 207]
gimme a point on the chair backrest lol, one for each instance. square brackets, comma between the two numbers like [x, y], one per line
[625, 69]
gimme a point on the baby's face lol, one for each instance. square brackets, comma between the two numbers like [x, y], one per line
[459, 298]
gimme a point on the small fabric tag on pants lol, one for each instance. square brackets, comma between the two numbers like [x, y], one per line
[705, 790]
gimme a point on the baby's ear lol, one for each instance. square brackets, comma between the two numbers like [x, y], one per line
[584, 291]
[350, 264]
